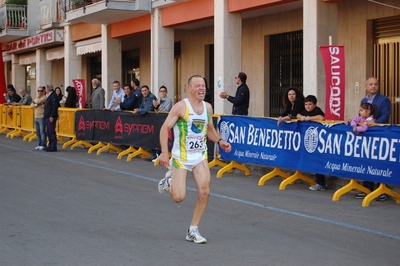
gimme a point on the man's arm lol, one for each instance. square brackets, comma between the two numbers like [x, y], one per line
[212, 133]
[241, 95]
[384, 110]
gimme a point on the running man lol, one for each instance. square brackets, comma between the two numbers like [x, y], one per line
[191, 120]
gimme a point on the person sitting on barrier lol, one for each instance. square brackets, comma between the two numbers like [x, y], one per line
[129, 100]
[366, 116]
[118, 93]
[60, 96]
[147, 101]
[11, 95]
[293, 101]
[97, 101]
[165, 103]
[38, 104]
[72, 100]
[135, 84]
[312, 112]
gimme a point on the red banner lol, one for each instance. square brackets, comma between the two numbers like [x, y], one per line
[80, 87]
[333, 57]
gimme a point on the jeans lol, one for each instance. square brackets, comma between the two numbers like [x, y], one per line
[41, 135]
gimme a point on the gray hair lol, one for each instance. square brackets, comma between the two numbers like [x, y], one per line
[98, 83]
[49, 87]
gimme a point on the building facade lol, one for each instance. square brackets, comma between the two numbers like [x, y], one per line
[164, 42]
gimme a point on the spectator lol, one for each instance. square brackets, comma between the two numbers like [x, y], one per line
[242, 96]
[366, 116]
[25, 99]
[189, 129]
[60, 96]
[129, 99]
[383, 110]
[293, 101]
[118, 93]
[11, 96]
[72, 100]
[38, 104]
[135, 84]
[50, 116]
[312, 112]
[97, 101]
[147, 101]
[165, 103]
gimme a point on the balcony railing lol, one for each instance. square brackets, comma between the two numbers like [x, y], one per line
[13, 17]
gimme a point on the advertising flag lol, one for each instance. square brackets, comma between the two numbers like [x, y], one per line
[333, 57]
[80, 88]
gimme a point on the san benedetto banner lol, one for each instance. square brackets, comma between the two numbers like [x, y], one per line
[333, 57]
[314, 147]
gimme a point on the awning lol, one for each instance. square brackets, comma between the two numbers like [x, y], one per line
[88, 46]
[56, 53]
[27, 59]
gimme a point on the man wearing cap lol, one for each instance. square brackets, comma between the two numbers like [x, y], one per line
[50, 116]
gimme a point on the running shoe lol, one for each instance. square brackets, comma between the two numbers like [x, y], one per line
[317, 187]
[194, 236]
[165, 183]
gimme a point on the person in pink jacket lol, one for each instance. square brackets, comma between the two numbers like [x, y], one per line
[363, 121]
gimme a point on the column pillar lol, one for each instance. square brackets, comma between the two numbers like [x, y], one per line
[43, 68]
[162, 55]
[72, 61]
[228, 54]
[111, 62]
[319, 22]
[17, 73]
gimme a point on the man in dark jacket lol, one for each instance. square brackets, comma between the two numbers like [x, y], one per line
[242, 96]
[50, 116]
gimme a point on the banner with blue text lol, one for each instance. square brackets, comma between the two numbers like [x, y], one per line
[315, 147]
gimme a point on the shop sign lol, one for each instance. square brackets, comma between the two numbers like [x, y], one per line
[48, 37]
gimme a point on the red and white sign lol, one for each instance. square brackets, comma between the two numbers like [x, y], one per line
[48, 37]
[80, 88]
[333, 57]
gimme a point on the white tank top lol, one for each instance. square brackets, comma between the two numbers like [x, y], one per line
[190, 135]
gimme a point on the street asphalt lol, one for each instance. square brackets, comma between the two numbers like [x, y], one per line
[74, 208]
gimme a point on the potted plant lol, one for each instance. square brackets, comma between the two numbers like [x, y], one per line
[17, 2]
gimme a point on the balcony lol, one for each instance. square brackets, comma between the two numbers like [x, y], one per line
[104, 11]
[13, 23]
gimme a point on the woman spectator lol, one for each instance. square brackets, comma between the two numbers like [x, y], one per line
[60, 96]
[11, 96]
[72, 98]
[293, 101]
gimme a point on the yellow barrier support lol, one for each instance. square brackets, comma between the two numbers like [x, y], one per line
[140, 152]
[353, 184]
[231, 166]
[96, 147]
[109, 147]
[382, 189]
[273, 173]
[66, 129]
[131, 149]
[296, 176]
[217, 162]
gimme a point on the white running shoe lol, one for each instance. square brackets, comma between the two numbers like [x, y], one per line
[165, 183]
[317, 187]
[194, 236]
[41, 148]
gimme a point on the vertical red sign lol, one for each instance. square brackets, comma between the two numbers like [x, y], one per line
[333, 57]
[80, 87]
